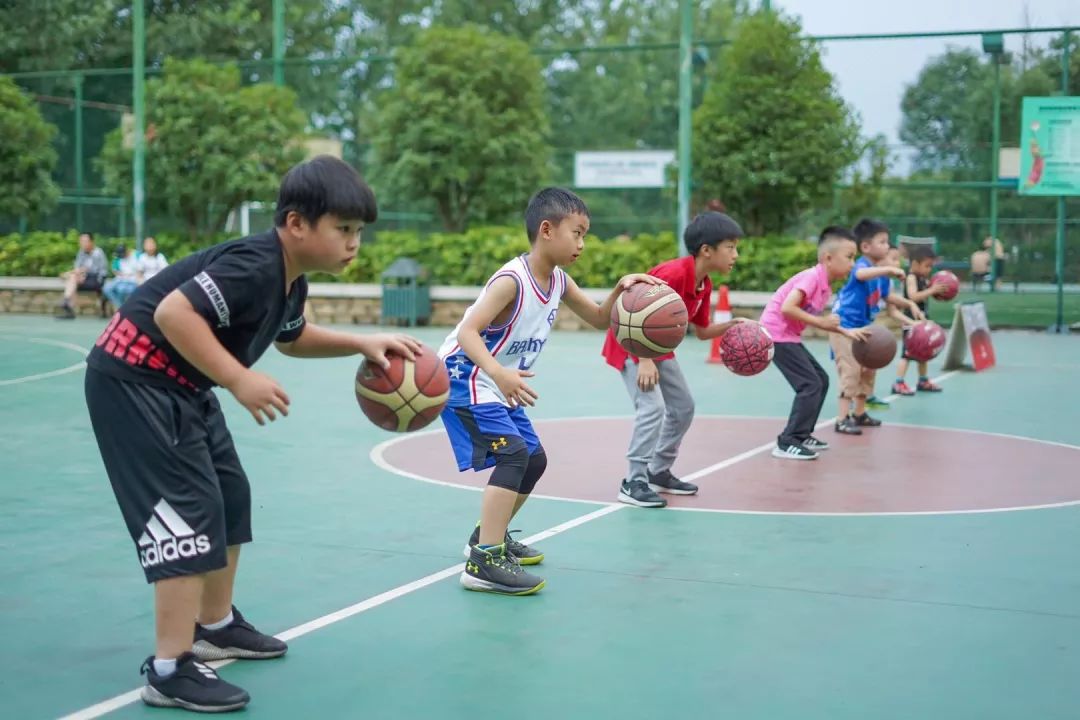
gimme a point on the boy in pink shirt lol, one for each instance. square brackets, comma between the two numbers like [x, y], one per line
[798, 303]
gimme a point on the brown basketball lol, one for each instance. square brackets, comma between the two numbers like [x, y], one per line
[406, 396]
[649, 320]
[878, 350]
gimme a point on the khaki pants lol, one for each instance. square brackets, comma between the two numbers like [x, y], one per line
[855, 380]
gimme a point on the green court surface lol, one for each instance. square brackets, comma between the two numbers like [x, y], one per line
[834, 613]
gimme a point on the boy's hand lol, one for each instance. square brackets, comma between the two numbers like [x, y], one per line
[855, 333]
[260, 394]
[511, 383]
[830, 323]
[897, 273]
[627, 280]
[917, 312]
[648, 374]
[375, 347]
[938, 289]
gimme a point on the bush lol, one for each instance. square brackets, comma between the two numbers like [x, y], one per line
[468, 258]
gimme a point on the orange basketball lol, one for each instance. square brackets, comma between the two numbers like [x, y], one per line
[406, 396]
[649, 320]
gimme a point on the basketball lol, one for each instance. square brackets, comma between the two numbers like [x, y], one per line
[878, 350]
[950, 281]
[924, 341]
[746, 348]
[405, 397]
[649, 320]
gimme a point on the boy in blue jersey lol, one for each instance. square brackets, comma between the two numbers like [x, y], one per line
[489, 355]
[856, 305]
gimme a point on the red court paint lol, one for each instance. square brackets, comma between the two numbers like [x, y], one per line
[892, 469]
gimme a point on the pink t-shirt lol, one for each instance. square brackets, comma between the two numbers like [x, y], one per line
[814, 283]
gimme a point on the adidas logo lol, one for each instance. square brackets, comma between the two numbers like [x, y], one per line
[168, 538]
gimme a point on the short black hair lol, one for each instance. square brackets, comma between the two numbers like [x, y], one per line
[867, 228]
[921, 252]
[87, 233]
[325, 185]
[551, 204]
[835, 232]
[710, 228]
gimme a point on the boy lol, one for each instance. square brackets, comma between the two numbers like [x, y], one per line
[798, 303]
[894, 258]
[185, 498]
[663, 405]
[856, 305]
[918, 289]
[489, 355]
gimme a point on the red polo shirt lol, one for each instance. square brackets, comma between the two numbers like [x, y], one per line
[681, 276]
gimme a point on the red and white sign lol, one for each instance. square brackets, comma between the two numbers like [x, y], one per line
[970, 328]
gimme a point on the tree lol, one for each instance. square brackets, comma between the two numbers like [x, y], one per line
[772, 135]
[463, 126]
[212, 144]
[26, 156]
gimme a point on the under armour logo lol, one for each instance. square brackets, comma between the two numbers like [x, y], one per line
[496, 444]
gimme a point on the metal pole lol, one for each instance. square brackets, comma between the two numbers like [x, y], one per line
[766, 5]
[994, 148]
[78, 80]
[279, 42]
[686, 31]
[1059, 264]
[138, 33]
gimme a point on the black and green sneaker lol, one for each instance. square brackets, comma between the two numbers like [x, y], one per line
[525, 555]
[496, 571]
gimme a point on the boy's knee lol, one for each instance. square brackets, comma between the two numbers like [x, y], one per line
[511, 464]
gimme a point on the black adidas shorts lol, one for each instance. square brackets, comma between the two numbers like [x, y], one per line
[174, 471]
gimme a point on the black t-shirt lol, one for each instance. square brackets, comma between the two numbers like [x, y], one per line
[238, 287]
[920, 285]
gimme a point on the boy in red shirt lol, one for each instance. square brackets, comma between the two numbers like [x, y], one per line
[663, 405]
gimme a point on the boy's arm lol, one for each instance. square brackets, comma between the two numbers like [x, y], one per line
[188, 332]
[320, 342]
[917, 295]
[896, 301]
[792, 308]
[869, 273]
[501, 294]
[715, 330]
[599, 316]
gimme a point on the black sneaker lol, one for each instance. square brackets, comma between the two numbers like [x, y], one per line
[793, 451]
[496, 571]
[525, 555]
[194, 686]
[847, 427]
[814, 445]
[665, 482]
[238, 639]
[638, 492]
[865, 420]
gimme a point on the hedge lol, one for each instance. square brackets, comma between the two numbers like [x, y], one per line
[467, 258]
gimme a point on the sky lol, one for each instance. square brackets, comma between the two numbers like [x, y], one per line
[872, 74]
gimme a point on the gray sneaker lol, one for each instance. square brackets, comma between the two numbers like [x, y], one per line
[496, 571]
[665, 482]
[525, 555]
[639, 494]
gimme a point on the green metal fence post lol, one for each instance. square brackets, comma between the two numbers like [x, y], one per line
[1059, 261]
[78, 80]
[279, 42]
[138, 37]
[686, 66]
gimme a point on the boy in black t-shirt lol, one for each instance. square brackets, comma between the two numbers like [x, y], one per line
[201, 322]
[918, 289]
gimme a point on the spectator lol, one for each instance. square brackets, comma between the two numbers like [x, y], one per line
[150, 261]
[997, 251]
[126, 276]
[88, 273]
[980, 268]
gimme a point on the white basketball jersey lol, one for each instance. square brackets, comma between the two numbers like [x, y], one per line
[515, 344]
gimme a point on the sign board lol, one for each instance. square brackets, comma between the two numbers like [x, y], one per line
[970, 330]
[1008, 163]
[1050, 146]
[622, 168]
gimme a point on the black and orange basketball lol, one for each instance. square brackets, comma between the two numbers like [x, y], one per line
[406, 396]
[746, 348]
[924, 341]
[649, 320]
[878, 350]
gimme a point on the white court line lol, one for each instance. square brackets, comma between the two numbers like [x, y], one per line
[51, 373]
[115, 703]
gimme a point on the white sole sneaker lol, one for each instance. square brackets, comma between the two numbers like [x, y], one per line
[798, 454]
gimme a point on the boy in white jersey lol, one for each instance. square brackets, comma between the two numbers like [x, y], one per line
[489, 355]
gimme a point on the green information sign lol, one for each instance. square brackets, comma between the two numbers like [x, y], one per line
[1050, 146]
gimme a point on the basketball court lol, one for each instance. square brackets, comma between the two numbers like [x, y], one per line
[924, 570]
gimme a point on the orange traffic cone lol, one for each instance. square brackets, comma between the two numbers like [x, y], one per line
[722, 314]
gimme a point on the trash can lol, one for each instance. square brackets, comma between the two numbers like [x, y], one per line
[406, 297]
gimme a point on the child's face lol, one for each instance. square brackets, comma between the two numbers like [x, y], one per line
[877, 247]
[922, 267]
[839, 262]
[329, 245]
[892, 258]
[720, 259]
[562, 243]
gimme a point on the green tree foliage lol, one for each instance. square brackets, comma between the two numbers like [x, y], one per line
[26, 156]
[212, 144]
[464, 125]
[772, 135]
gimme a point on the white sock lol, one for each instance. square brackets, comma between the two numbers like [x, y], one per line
[164, 668]
[220, 623]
